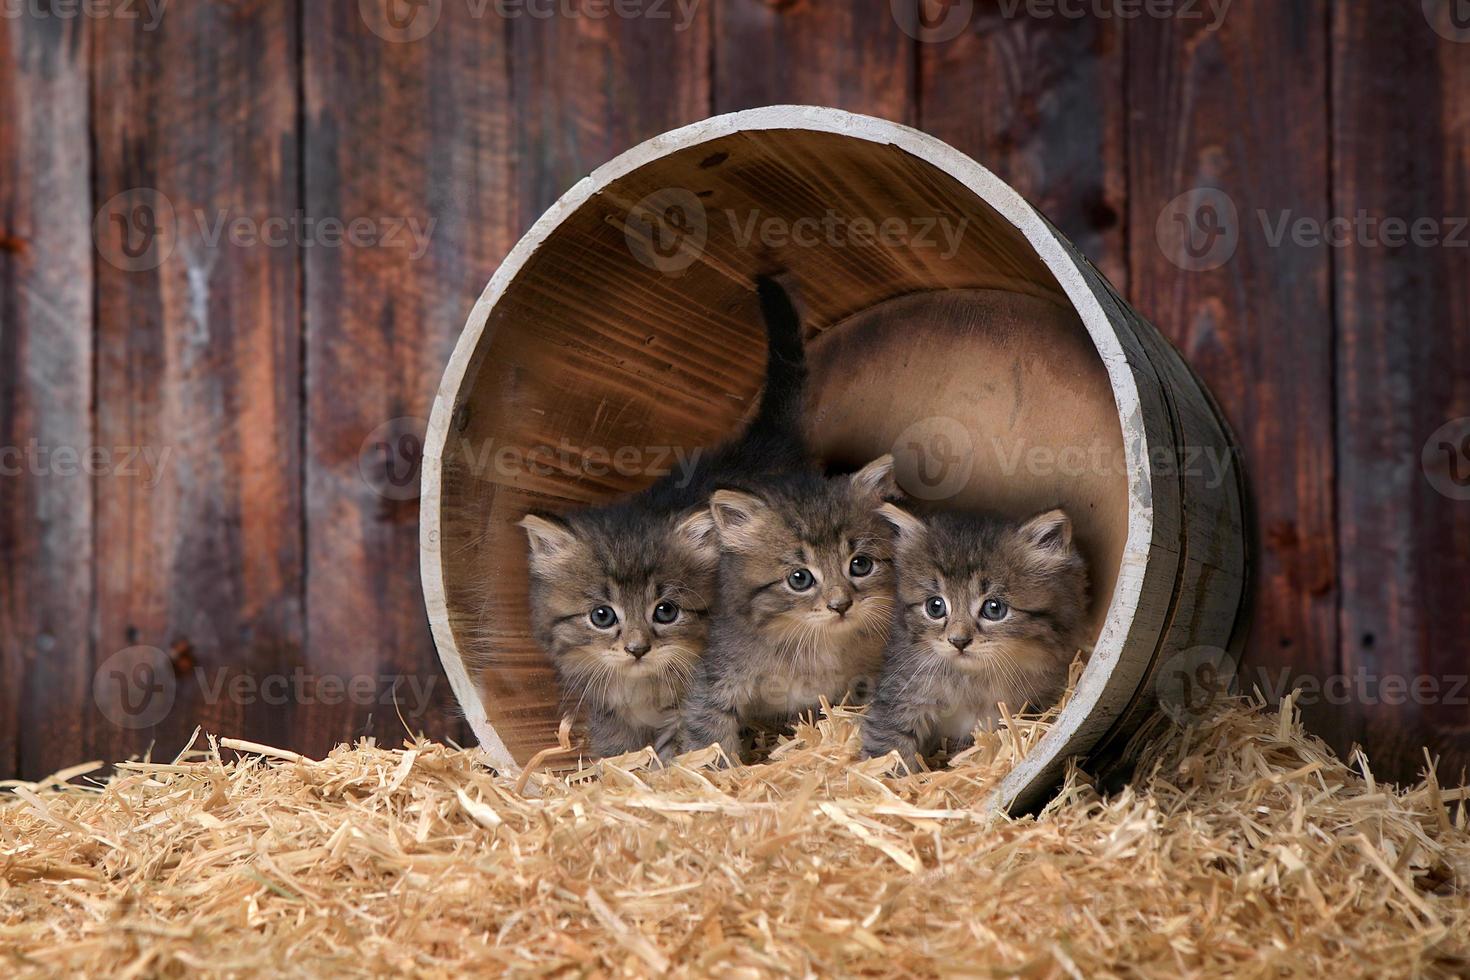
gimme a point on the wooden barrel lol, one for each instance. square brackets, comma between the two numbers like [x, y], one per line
[948, 322]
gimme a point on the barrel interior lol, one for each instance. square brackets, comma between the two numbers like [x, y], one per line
[631, 337]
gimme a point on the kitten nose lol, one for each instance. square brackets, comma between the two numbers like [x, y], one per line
[637, 646]
[960, 642]
[840, 603]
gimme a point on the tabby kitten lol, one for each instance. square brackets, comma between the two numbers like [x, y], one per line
[620, 594]
[989, 611]
[805, 600]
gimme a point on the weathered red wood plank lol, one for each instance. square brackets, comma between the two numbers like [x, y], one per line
[199, 555]
[1401, 150]
[853, 56]
[1236, 115]
[408, 116]
[596, 85]
[45, 394]
[1038, 100]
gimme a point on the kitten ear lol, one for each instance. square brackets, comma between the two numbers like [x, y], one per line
[697, 532]
[876, 480]
[549, 537]
[737, 517]
[910, 529]
[1050, 531]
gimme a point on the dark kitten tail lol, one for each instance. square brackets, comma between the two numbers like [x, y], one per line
[780, 407]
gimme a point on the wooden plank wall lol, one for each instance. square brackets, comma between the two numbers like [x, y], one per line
[280, 387]
[46, 391]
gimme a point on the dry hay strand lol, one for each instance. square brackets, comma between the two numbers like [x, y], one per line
[1244, 847]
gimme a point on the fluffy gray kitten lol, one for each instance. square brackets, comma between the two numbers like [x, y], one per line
[620, 594]
[989, 611]
[805, 601]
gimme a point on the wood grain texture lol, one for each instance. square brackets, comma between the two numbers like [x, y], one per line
[406, 130]
[588, 90]
[590, 87]
[197, 348]
[1052, 123]
[851, 56]
[45, 395]
[1403, 358]
[1242, 108]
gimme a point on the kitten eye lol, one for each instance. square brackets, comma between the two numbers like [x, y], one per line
[603, 617]
[860, 565]
[936, 608]
[800, 580]
[665, 612]
[995, 610]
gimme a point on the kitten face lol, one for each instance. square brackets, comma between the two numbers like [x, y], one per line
[990, 597]
[621, 598]
[811, 557]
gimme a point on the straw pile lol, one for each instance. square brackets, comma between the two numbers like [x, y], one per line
[1246, 848]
